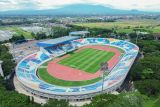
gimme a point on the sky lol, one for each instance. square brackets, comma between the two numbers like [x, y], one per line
[145, 5]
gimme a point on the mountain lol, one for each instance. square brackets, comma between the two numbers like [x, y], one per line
[77, 9]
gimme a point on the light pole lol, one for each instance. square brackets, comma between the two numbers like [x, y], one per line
[104, 68]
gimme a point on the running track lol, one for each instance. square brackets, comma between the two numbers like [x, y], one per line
[71, 74]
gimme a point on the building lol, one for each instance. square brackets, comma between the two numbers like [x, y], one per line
[80, 33]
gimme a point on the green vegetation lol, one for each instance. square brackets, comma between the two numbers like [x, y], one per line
[57, 103]
[9, 98]
[145, 73]
[8, 64]
[40, 35]
[94, 58]
[90, 57]
[126, 26]
[16, 38]
[44, 75]
[19, 32]
[149, 87]
[59, 31]
[131, 99]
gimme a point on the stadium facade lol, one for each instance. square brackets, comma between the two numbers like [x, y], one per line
[26, 70]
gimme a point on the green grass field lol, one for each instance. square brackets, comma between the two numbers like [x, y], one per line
[126, 26]
[18, 31]
[88, 60]
[45, 76]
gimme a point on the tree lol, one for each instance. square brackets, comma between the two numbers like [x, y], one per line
[14, 99]
[8, 64]
[57, 103]
[130, 99]
[148, 87]
[157, 102]
[99, 31]
[146, 68]
[16, 38]
[33, 35]
[102, 100]
[40, 35]
[59, 31]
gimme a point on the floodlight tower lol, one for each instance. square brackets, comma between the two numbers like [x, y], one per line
[104, 68]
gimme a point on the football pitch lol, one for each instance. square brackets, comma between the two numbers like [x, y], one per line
[87, 60]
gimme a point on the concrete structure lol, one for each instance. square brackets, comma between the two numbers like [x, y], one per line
[27, 68]
[80, 33]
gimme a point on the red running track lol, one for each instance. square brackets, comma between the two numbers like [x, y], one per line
[71, 74]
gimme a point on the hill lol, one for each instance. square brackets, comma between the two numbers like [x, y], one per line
[76, 10]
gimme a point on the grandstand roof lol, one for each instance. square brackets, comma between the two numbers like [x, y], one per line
[57, 41]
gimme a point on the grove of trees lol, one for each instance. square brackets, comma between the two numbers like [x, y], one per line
[8, 64]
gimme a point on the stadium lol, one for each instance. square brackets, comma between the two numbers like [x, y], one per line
[70, 68]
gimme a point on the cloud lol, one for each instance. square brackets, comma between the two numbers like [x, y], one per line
[17, 4]
[149, 5]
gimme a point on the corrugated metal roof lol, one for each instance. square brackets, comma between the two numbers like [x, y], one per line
[56, 41]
